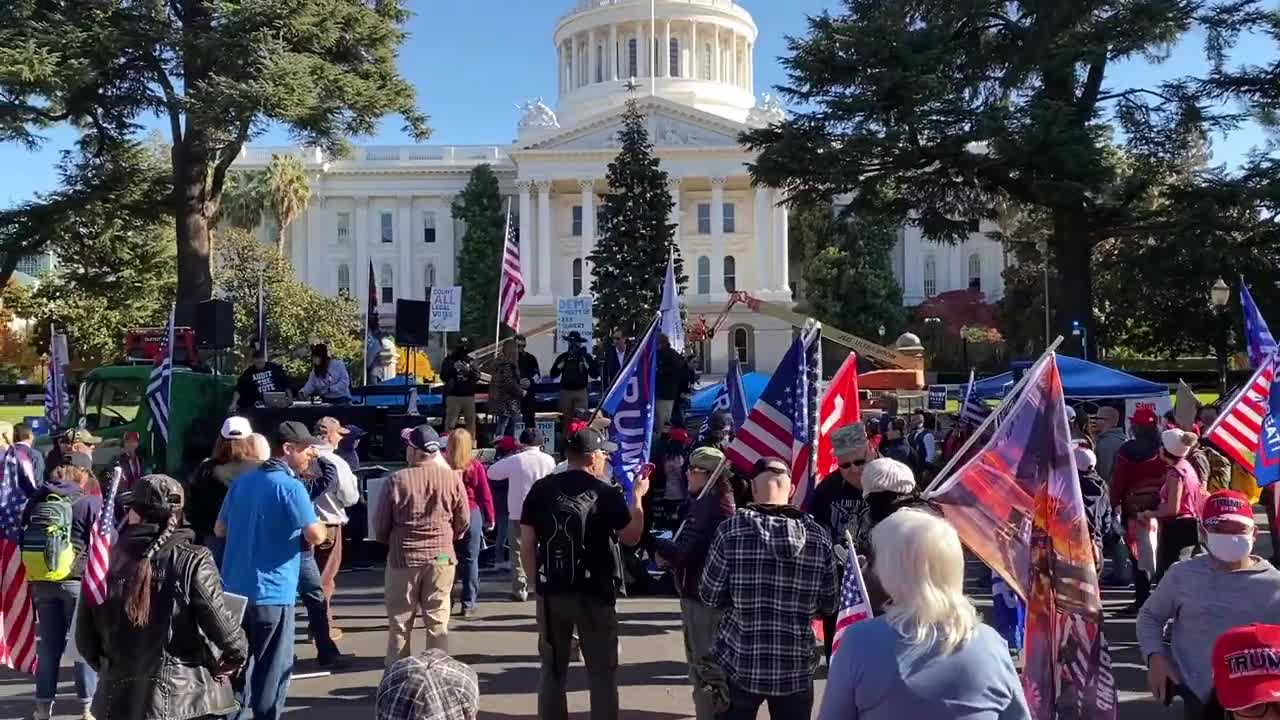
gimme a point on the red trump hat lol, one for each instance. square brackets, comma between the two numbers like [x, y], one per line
[1246, 666]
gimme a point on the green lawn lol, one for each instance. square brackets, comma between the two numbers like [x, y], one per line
[16, 413]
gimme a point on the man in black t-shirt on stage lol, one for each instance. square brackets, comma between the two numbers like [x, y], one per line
[259, 378]
[570, 525]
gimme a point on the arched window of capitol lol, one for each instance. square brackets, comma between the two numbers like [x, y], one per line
[344, 280]
[742, 345]
[704, 275]
[577, 276]
[730, 274]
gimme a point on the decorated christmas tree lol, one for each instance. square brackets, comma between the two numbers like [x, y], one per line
[636, 238]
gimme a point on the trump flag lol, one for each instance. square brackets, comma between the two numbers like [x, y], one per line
[630, 406]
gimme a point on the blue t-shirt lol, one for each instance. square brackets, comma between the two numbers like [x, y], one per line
[877, 681]
[264, 513]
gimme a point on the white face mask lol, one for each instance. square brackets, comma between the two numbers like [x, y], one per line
[1229, 548]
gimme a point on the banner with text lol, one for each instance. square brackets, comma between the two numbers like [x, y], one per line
[573, 314]
[446, 309]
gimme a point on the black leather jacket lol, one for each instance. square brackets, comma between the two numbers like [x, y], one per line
[164, 670]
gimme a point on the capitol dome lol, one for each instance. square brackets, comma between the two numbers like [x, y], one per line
[697, 53]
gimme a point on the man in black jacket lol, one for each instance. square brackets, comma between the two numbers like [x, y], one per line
[531, 374]
[460, 376]
[576, 368]
[615, 357]
[674, 377]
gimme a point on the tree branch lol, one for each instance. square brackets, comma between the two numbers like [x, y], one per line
[170, 97]
[1092, 85]
[229, 154]
[1128, 94]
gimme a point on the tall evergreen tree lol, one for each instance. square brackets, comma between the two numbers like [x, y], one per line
[630, 256]
[479, 205]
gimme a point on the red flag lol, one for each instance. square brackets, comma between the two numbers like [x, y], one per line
[839, 407]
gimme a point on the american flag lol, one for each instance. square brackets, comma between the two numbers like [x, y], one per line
[1237, 430]
[1257, 335]
[100, 541]
[972, 410]
[854, 605]
[56, 402]
[17, 616]
[780, 424]
[511, 283]
[160, 384]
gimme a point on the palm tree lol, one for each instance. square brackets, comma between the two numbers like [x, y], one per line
[243, 199]
[287, 193]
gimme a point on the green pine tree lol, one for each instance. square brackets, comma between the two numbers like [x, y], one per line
[630, 257]
[479, 205]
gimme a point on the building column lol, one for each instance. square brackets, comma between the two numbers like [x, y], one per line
[694, 52]
[780, 244]
[613, 53]
[307, 275]
[526, 234]
[735, 77]
[560, 66]
[574, 67]
[673, 218]
[404, 249]
[717, 62]
[666, 51]
[588, 189]
[591, 56]
[751, 68]
[360, 270]
[446, 239]
[717, 238]
[544, 239]
[645, 49]
[764, 227]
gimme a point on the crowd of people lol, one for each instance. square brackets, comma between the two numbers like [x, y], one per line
[206, 573]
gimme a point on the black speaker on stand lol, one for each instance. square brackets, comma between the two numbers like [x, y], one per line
[215, 326]
[413, 318]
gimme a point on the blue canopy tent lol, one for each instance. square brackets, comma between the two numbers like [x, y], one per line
[1081, 380]
[753, 384]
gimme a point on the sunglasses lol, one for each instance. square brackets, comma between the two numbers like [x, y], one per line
[852, 463]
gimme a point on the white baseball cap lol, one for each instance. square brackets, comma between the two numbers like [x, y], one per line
[236, 427]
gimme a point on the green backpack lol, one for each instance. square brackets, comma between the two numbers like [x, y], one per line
[47, 552]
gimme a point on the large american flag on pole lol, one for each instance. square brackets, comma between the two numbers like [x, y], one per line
[781, 423]
[1239, 427]
[1258, 337]
[854, 604]
[972, 410]
[160, 383]
[17, 616]
[57, 404]
[511, 282]
[101, 537]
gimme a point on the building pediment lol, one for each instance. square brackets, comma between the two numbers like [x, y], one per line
[670, 126]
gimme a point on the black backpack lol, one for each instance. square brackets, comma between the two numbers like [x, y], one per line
[563, 566]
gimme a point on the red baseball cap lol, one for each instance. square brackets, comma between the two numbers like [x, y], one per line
[1144, 415]
[1225, 509]
[1246, 666]
[506, 444]
[680, 435]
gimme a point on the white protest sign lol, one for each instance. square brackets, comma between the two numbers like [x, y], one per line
[446, 309]
[1161, 404]
[574, 314]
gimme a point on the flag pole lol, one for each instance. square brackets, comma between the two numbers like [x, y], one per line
[991, 418]
[614, 385]
[497, 311]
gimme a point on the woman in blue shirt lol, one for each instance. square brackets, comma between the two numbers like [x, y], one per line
[946, 664]
[329, 379]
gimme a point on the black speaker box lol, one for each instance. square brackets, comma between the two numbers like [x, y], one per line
[413, 317]
[215, 325]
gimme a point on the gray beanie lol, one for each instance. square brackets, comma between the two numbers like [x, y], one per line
[887, 475]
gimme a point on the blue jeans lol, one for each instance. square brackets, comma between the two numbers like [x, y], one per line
[745, 705]
[499, 488]
[504, 425]
[55, 604]
[469, 560]
[270, 632]
[309, 587]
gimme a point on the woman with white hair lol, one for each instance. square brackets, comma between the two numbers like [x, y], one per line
[929, 655]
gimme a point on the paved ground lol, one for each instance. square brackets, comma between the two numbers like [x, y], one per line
[500, 644]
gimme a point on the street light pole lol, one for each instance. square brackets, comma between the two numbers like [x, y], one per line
[1219, 297]
[1043, 247]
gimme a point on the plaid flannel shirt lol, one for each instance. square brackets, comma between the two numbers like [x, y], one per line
[431, 685]
[772, 569]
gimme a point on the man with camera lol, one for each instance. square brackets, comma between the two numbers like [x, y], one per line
[575, 368]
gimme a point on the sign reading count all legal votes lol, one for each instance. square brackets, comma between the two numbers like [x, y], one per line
[446, 309]
[573, 313]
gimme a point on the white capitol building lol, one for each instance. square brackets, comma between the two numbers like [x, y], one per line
[391, 205]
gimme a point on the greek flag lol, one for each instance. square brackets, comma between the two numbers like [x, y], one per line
[160, 384]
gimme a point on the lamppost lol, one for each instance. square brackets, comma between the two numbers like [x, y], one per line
[881, 330]
[964, 346]
[934, 326]
[1043, 247]
[1219, 296]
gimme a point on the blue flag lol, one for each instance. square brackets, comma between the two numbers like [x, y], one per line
[736, 394]
[630, 404]
[1257, 336]
[1266, 469]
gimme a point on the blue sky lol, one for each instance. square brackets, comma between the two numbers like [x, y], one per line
[472, 61]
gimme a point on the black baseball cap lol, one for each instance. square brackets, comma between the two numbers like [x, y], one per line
[530, 437]
[588, 441]
[154, 496]
[292, 431]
